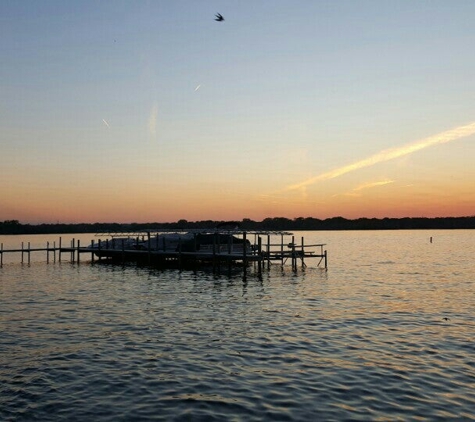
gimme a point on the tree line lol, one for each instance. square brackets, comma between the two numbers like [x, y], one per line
[274, 223]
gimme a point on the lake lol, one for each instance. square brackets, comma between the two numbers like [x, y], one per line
[385, 334]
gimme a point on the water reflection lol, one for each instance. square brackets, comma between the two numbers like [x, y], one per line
[365, 340]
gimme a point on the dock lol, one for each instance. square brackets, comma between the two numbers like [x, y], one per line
[185, 249]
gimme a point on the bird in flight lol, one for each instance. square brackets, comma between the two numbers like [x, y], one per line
[219, 18]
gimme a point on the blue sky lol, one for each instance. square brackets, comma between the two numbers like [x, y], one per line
[157, 104]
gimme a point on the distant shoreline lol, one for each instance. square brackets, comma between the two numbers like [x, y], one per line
[276, 223]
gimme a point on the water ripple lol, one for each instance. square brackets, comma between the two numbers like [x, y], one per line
[365, 341]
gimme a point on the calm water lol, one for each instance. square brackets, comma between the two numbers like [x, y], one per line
[366, 340]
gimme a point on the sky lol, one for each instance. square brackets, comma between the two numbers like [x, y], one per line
[152, 111]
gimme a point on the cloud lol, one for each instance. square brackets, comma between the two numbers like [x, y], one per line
[373, 185]
[152, 120]
[356, 191]
[390, 154]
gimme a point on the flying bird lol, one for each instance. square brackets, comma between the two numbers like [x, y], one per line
[219, 18]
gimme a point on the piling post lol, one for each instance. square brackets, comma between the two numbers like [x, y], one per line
[325, 253]
[54, 251]
[99, 244]
[282, 250]
[79, 252]
[92, 250]
[47, 252]
[259, 255]
[73, 242]
[22, 252]
[268, 251]
[244, 251]
[1, 255]
[294, 258]
[219, 253]
[214, 252]
[60, 251]
[149, 247]
[29, 253]
[230, 249]
[303, 253]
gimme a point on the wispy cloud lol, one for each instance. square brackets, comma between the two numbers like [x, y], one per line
[389, 154]
[152, 120]
[356, 191]
[373, 185]
[105, 122]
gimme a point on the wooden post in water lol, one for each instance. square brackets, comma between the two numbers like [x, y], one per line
[59, 257]
[244, 251]
[303, 253]
[79, 252]
[149, 247]
[268, 251]
[230, 249]
[282, 250]
[22, 252]
[47, 252]
[73, 242]
[219, 253]
[214, 252]
[92, 250]
[29, 252]
[1, 255]
[294, 258]
[54, 251]
[259, 255]
[99, 244]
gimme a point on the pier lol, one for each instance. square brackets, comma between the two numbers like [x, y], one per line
[184, 249]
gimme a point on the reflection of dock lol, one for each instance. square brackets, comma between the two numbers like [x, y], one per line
[190, 249]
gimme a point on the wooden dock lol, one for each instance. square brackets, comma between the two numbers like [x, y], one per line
[241, 248]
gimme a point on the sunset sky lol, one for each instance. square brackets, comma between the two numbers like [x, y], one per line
[151, 111]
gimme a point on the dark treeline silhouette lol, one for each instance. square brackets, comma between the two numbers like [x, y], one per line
[275, 223]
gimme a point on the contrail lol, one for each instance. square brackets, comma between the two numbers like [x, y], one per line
[198, 87]
[107, 124]
[355, 191]
[372, 185]
[390, 154]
